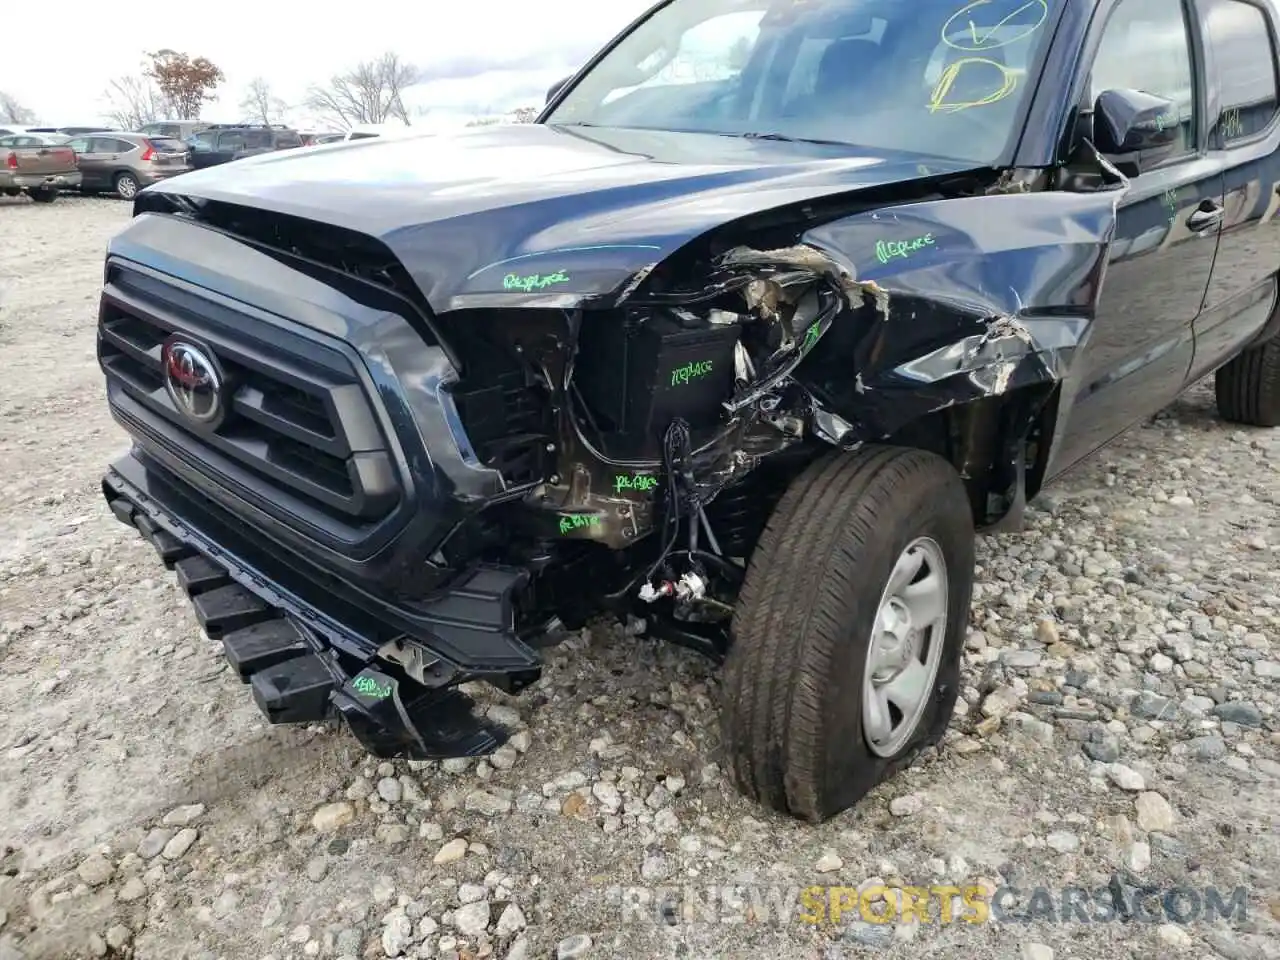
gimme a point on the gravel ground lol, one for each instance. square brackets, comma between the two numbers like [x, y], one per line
[1118, 727]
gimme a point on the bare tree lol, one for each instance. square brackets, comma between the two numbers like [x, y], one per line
[368, 93]
[260, 105]
[525, 115]
[11, 111]
[133, 102]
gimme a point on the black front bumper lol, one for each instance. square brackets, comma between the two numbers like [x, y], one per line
[309, 644]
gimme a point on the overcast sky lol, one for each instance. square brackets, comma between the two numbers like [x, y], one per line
[481, 56]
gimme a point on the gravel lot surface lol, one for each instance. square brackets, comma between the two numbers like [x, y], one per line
[1118, 727]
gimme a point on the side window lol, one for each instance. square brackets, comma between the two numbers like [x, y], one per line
[231, 141]
[257, 139]
[103, 145]
[80, 145]
[1145, 46]
[1245, 61]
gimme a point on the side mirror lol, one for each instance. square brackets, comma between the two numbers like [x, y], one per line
[1130, 121]
[556, 88]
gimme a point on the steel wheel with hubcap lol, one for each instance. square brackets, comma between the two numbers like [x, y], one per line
[126, 186]
[905, 648]
[846, 640]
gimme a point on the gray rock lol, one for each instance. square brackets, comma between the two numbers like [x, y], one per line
[389, 789]
[133, 889]
[1154, 813]
[510, 922]
[1239, 711]
[489, 803]
[332, 817]
[1063, 842]
[184, 816]
[397, 935]
[519, 950]
[1151, 706]
[573, 948]
[180, 844]
[472, 919]
[151, 845]
[1105, 750]
[1211, 747]
[317, 867]
[471, 893]
[95, 870]
[907, 805]
[1126, 778]
[392, 833]
[451, 852]
[877, 935]
[1021, 659]
[118, 937]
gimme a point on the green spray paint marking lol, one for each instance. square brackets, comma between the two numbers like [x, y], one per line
[369, 687]
[1166, 121]
[810, 338]
[577, 521]
[886, 250]
[690, 371]
[636, 481]
[1169, 200]
[534, 281]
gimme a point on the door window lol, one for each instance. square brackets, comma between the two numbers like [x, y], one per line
[1245, 61]
[257, 140]
[1145, 46]
[104, 145]
[231, 141]
[80, 145]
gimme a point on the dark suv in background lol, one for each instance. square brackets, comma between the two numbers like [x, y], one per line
[220, 143]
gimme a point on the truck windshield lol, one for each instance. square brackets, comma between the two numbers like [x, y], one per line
[947, 78]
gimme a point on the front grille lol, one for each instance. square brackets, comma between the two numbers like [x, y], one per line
[299, 434]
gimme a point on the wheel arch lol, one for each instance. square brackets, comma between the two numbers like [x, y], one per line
[999, 445]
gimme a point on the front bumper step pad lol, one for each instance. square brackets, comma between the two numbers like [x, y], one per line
[296, 677]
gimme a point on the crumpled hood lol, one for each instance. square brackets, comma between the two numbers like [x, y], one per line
[552, 214]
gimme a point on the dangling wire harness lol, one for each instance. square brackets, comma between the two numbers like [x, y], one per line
[681, 500]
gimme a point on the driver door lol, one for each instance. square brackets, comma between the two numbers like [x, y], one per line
[1138, 351]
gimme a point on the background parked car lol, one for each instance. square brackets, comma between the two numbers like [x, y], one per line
[70, 131]
[222, 143]
[173, 129]
[315, 139]
[127, 162]
[32, 138]
[39, 164]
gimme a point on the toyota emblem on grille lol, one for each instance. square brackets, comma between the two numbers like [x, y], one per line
[193, 382]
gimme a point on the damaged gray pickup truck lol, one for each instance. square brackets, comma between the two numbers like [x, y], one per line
[774, 306]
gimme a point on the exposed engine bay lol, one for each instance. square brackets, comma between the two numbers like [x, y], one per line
[657, 414]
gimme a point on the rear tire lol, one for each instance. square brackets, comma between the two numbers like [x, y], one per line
[44, 195]
[1248, 386]
[811, 611]
[126, 185]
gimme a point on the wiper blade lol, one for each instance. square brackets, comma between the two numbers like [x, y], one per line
[783, 138]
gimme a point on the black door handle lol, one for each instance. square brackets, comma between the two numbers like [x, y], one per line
[1208, 214]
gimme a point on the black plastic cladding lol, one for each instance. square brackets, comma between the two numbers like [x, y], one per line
[397, 365]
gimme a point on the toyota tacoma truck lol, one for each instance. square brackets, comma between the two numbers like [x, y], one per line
[773, 307]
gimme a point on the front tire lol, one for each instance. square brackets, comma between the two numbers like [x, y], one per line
[811, 718]
[1248, 386]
